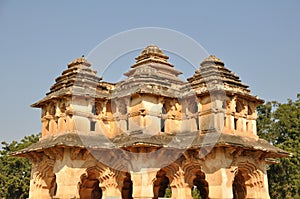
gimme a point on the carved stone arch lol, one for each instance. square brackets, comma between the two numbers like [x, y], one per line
[61, 115]
[160, 184]
[89, 185]
[226, 103]
[108, 179]
[239, 106]
[250, 109]
[239, 185]
[52, 108]
[90, 164]
[195, 177]
[165, 180]
[190, 166]
[248, 180]
[63, 107]
[43, 178]
[171, 170]
[167, 105]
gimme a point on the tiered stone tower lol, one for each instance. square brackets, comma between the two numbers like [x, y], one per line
[150, 132]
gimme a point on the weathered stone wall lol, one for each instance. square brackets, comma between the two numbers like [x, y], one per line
[75, 173]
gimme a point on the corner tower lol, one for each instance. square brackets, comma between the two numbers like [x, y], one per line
[224, 99]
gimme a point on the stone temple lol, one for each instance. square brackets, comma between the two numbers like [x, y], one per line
[148, 134]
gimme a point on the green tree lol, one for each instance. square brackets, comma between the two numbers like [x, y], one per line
[168, 193]
[279, 123]
[15, 171]
[196, 193]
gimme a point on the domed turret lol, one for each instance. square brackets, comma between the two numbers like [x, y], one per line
[212, 59]
[81, 60]
[152, 53]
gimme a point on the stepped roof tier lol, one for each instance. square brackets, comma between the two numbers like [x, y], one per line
[153, 73]
[214, 75]
[78, 79]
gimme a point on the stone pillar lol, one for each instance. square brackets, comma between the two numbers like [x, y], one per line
[69, 123]
[243, 123]
[38, 188]
[52, 126]
[109, 185]
[253, 127]
[61, 123]
[219, 121]
[265, 186]
[111, 193]
[143, 183]
[68, 173]
[42, 179]
[180, 189]
[45, 123]
[220, 183]
[231, 122]
[67, 180]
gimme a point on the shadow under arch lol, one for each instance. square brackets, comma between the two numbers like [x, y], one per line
[200, 184]
[89, 186]
[161, 185]
[127, 187]
[195, 177]
[248, 181]
[238, 186]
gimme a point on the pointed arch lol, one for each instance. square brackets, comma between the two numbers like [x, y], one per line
[248, 181]
[89, 186]
[161, 184]
[195, 177]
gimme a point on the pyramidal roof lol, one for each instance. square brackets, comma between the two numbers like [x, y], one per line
[79, 78]
[151, 70]
[151, 73]
[78, 71]
[152, 53]
[154, 57]
[214, 73]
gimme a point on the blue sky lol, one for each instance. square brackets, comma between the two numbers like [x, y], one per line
[259, 40]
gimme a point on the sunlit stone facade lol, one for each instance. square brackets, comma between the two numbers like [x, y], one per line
[150, 132]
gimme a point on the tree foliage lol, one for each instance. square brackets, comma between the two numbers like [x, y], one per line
[196, 193]
[168, 192]
[279, 123]
[15, 171]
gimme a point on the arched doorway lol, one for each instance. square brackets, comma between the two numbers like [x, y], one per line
[89, 187]
[127, 187]
[200, 188]
[161, 186]
[238, 187]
